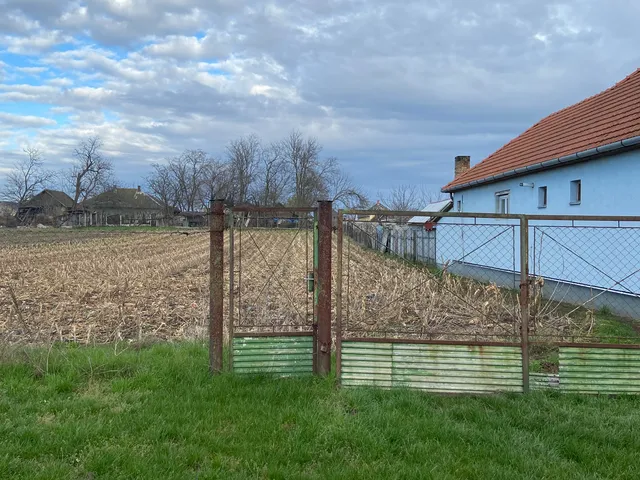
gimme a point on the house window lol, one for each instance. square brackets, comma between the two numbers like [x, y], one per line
[502, 201]
[542, 197]
[576, 192]
[459, 206]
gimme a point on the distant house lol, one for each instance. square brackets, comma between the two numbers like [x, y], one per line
[49, 207]
[433, 207]
[374, 218]
[121, 206]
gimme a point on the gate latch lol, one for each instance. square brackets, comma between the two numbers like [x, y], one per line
[310, 281]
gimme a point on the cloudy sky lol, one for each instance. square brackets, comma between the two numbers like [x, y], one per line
[393, 89]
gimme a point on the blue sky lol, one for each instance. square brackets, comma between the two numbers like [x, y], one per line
[393, 89]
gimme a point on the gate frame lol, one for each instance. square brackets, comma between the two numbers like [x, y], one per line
[322, 252]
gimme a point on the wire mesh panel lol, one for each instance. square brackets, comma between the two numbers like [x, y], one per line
[595, 267]
[273, 263]
[450, 280]
[585, 289]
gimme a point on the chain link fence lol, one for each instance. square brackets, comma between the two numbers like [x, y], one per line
[407, 280]
[461, 275]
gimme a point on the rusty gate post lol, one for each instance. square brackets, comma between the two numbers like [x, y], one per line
[216, 285]
[231, 292]
[323, 285]
[524, 300]
[339, 234]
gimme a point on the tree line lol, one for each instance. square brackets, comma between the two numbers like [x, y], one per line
[288, 172]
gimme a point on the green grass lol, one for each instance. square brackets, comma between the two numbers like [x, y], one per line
[156, 413]
[616, 329]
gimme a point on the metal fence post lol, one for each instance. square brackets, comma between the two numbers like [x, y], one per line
[231, 292]
[339, 235]
[216, 285]
[524, 299]
[323, 286]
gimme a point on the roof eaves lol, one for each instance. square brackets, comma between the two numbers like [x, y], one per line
[574, 157]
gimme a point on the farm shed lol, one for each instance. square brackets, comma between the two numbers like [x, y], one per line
[47, 207]
[122, 206]
[192, 219]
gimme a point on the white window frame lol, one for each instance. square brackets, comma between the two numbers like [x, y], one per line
[503, 199]
[575, 192]
[543, 196]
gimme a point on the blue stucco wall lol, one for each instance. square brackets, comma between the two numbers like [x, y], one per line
[610, 186]
[598, 255]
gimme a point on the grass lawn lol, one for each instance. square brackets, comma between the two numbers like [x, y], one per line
[89, 413]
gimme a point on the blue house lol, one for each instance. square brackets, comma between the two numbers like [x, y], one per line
[582, 160]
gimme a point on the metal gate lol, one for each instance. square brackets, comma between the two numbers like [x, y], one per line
[272, 267]
[409, 319]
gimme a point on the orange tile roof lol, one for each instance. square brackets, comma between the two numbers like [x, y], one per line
[607, 117]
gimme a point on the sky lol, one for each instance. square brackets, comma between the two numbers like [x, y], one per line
[393, 89]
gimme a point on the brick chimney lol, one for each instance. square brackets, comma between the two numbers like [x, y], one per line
[463, 163]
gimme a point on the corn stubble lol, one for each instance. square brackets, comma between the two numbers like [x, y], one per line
[88, 288]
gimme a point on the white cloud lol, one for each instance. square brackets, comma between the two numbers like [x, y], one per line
[35, 43]
[31, 70]
[24, 121]
[414, 81]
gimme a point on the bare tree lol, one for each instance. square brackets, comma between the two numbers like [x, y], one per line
[428, 196]
[216, 181]
[161, 184]
[302, 156]
[341, 188]
[243, 157]
[188, 172]
[91, 172]
[402, 197]
[26, 178]
[274, 177]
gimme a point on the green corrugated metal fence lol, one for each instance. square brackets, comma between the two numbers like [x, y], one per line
[284, 356]
[543, 381]
[432, 367]
[600, 370]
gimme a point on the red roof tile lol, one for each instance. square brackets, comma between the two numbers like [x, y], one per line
[607, 117]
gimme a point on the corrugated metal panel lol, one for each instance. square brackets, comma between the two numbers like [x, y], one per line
[273, 355]
[543, 381]
[367, 364]
[436, 368]
[600, 370]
